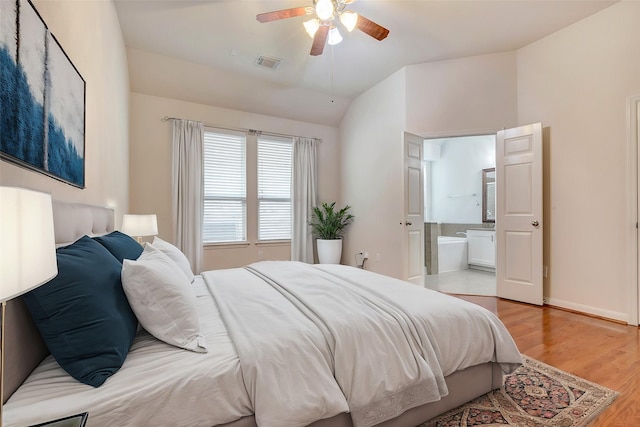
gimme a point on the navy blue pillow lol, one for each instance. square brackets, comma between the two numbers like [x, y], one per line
[83, 313]
[121, 245]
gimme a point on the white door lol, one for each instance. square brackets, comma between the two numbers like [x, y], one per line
[519, 213]
[633, 243]
[636, 130]
[413, 210]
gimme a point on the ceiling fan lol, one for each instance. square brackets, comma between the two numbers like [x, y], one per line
[323, 27]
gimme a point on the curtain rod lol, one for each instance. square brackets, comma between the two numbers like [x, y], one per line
[250, 131]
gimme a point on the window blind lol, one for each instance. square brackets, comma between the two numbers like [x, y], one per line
[274, 187]
[225, 187]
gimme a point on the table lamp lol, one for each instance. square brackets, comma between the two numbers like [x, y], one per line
[27, 250]
[140, 225]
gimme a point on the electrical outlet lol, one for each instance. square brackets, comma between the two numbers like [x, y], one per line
[545, 271]
[377, 257]
[365, 254]
[260, 255]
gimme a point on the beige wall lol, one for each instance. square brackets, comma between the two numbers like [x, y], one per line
[150, 172]
[90, 34]
[472, 95]
[448, 98]
[155, 74]
[372, 175]
[576, 82]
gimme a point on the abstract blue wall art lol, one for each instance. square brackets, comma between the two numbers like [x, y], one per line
[42, 97]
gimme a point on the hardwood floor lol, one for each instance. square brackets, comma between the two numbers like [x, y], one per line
[601, 351]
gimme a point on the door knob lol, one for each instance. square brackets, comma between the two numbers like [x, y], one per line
[535, 223]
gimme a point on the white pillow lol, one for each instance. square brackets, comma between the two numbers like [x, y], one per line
[163, 300]
[176, 255]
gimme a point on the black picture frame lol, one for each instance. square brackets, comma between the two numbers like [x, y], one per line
[489, 195]
[42, 98]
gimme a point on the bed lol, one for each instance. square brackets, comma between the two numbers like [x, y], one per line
[252, 373]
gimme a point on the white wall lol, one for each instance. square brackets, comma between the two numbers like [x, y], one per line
[576, 82]
[90, 35]
[467, 96]
[458, 172]
[150, 188]
[371, 164]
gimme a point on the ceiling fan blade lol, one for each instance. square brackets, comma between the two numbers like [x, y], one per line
[281, 14]
[369, 27]
[319, 40]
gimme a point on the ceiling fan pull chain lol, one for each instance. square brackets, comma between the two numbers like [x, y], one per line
[332, 74]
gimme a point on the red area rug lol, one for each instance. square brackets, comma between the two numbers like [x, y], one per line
[535, 395]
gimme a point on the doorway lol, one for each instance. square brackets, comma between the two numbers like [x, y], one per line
[460, 243]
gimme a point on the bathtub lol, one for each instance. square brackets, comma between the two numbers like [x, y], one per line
[452, 253]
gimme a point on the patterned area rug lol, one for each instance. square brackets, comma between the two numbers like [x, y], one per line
[536, 395]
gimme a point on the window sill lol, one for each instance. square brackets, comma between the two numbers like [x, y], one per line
[226, 245]
[274, 243]
[241, 245]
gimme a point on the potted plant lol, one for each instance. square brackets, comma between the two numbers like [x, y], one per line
[327, 226]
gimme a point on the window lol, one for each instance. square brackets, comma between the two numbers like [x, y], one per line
[274, 188]
[225, 189]
[247, 187]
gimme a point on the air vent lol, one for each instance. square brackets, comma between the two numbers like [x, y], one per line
[268, 62]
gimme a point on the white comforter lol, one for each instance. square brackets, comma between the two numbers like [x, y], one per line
[315, 341]
[301, 360]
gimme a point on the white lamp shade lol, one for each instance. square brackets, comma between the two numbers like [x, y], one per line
[27, 241]
[311, 26]
[349, 20]
[334, 36]
[140, 225]
[324, 9]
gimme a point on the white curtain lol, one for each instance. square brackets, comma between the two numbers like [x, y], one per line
[304, 184]
[187, 197]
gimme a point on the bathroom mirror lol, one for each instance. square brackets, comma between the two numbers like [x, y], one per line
[489, 195]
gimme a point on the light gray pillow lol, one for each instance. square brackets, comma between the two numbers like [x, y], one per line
[163, 300]
[176, 255]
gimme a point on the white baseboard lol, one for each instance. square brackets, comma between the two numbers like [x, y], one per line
[609, 314]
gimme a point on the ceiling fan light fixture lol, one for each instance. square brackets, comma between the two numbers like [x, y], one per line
[311, 26]
[349, 20]
[322, 28]
[334, 36]
[324, 9]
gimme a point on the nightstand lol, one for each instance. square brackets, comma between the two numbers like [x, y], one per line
[73, 421]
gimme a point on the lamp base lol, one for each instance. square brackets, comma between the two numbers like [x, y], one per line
[4, 309]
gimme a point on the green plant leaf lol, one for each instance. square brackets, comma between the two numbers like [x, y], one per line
[329, 224]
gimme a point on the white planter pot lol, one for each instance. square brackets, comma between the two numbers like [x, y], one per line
[329, 251]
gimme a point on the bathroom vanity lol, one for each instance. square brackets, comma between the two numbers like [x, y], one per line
[482, 249]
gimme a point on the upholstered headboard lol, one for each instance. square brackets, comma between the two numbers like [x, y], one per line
[23, 345]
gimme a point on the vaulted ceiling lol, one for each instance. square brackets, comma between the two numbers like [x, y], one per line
[205, 51]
